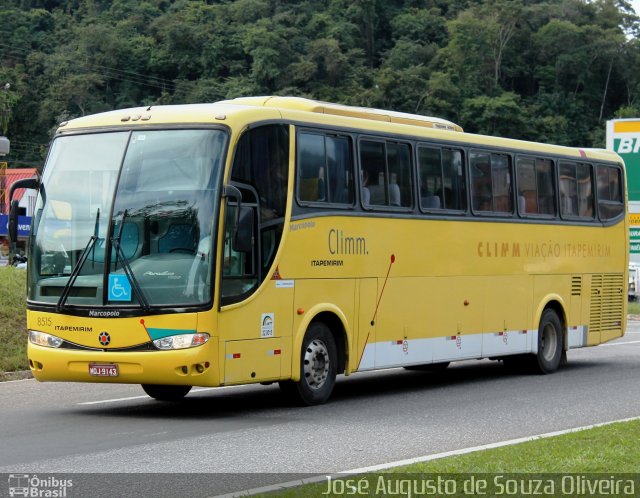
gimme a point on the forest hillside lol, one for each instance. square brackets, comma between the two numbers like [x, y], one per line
[547, 70]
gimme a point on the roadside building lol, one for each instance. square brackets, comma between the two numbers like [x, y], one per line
[27, 202]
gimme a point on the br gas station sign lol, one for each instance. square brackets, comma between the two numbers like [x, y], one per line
[623, 137]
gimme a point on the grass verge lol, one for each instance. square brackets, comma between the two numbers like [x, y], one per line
[13, 325]
[605, 456]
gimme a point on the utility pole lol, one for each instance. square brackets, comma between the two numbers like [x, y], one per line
[6, 103]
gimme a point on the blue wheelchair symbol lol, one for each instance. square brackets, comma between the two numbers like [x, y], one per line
[119, 288]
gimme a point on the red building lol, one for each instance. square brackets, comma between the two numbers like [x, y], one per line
[27, 202]
[7, 177]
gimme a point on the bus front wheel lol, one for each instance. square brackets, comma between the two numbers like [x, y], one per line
[166, 393]
[318, 368]
[550, 343]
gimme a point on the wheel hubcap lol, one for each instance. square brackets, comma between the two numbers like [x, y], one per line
[549, 342]
[316, 364]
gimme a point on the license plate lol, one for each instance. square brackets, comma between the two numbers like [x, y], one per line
[103, 370]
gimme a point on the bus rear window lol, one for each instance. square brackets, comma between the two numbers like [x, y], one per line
[610, 197]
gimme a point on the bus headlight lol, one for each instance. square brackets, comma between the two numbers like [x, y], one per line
[182, 341]
[42, 339]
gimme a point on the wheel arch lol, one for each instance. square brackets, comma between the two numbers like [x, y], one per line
[556, 303]
[338, 325]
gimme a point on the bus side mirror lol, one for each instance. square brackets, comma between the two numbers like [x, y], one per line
[243, 238]
[13, 222]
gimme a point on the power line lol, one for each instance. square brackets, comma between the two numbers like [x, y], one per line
[17, 144]
[108, 72]
[24, 52]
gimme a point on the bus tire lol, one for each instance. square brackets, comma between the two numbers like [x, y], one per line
[318, 368]
[166, 393]
[550, 343]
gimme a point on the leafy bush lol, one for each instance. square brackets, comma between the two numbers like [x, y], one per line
[13, 320]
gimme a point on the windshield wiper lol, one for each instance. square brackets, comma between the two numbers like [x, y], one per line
[115, 242]
[95, 234]
[66, 290]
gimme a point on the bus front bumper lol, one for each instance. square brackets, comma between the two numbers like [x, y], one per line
[192, 367]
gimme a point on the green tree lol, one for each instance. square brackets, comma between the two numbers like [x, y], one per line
[501, 116]
[8, 100]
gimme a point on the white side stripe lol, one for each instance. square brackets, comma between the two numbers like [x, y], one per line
[404, 352]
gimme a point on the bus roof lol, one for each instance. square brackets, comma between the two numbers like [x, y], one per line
[242, 111]
[308, 105]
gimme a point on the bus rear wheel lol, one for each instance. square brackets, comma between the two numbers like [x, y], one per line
[166, 393]
[550, 343]
[318, 368]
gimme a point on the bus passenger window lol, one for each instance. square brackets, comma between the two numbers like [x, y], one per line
[585, 191]
[535, 186]
[546, 187]
[325, 169]
[399, 166]
[492, 185]
[385, 174]
[576, 191]
[568, 191]
[442, 184]
[454, 191]
[339, 171]
[373, 172]
[311, 164]
[430, 174]
[481, 195]
[501, 178]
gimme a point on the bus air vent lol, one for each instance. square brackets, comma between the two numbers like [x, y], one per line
[576, 285]
[607, 302]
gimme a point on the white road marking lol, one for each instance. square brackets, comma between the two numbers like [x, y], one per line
[411, 461]
[114, 400]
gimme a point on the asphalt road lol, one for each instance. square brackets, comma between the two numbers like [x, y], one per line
[249, 437]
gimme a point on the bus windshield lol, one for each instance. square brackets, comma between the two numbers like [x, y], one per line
[126, 218]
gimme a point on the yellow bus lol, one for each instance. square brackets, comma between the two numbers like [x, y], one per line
[280, 239]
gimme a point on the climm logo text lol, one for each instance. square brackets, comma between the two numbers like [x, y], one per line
[339, 243]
